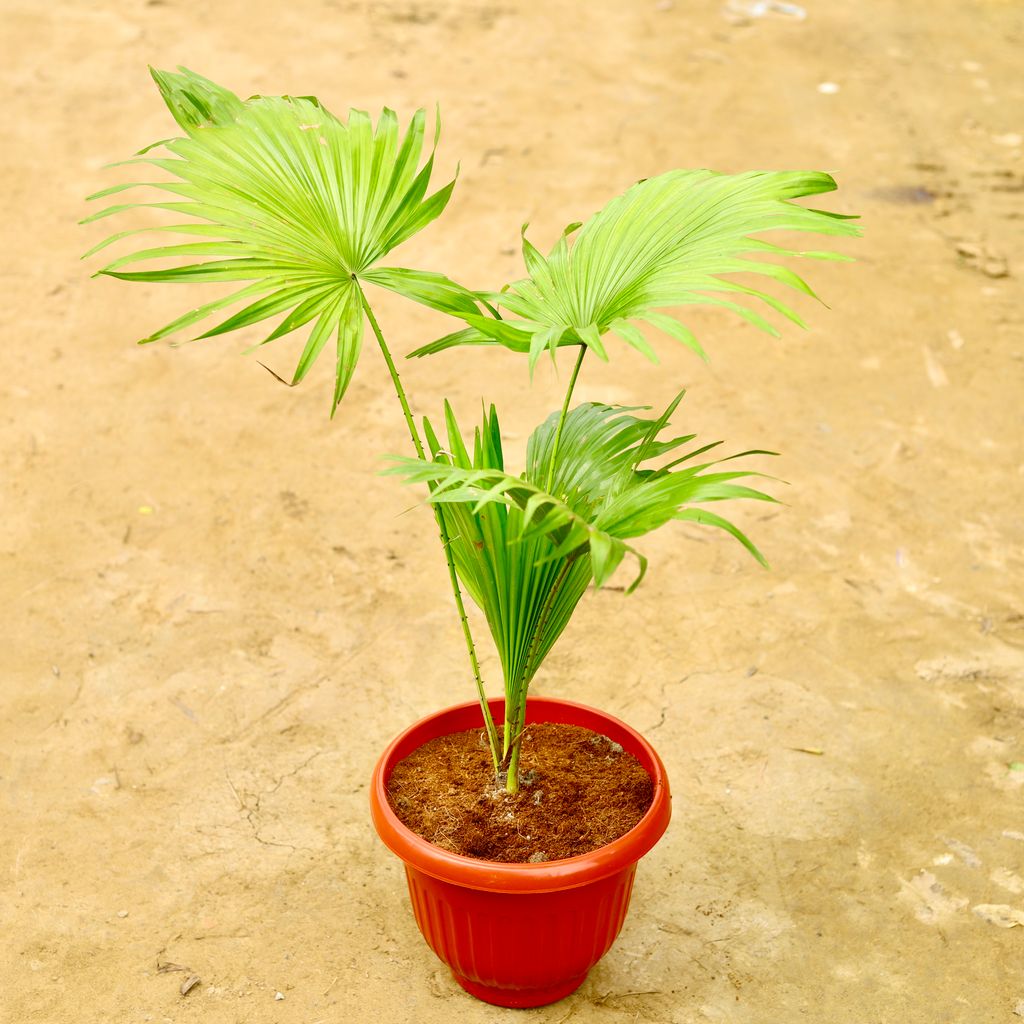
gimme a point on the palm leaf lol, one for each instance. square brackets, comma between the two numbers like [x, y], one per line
[295, 201]
[543, 514]
[526, 553]
[668, 241]
[510, 568]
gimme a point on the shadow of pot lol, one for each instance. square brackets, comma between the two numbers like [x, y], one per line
[520, 935]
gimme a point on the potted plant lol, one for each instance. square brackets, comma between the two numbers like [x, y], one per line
[302, 207]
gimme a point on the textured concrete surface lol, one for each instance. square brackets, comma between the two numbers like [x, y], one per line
[193, 696]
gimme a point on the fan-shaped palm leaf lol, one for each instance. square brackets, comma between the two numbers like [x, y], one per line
[294, 201]
[526, 553]
[665, 242]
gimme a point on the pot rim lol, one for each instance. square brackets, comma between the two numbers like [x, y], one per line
[546, 876]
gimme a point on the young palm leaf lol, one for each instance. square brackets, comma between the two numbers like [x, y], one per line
[295, 202]
[526, 550]
[668, 241]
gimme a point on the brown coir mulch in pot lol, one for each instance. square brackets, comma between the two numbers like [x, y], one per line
[578, 791]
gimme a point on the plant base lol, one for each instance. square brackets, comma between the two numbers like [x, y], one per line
[580, 792]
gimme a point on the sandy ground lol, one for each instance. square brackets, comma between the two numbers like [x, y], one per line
[193, 698]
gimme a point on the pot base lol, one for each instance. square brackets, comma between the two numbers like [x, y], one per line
[520, 998]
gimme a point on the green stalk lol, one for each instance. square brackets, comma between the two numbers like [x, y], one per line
[512, 778]
[492, 732]
[564, 413]
[392, 369]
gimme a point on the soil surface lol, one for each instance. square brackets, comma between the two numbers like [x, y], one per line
[578, 791]
[216, 614]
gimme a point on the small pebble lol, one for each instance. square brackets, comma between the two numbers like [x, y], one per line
[537, 858]
[122, 913]
[278, 995]
[828, 88]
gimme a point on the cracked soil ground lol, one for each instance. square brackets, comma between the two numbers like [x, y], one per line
[216, 616]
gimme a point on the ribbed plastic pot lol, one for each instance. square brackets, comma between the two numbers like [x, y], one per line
[520, 934]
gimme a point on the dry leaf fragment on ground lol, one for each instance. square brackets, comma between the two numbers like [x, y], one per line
[1002, 915]
[963, 851]
[165, 967]
[932, 903]
[989, 261]
[1008, 880]
[189, 983]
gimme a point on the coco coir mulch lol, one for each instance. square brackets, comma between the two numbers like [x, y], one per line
[578, 791]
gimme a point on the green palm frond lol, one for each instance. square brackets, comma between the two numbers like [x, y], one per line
[511, 566]
[668, 241]
[527, 553]
[293, 201]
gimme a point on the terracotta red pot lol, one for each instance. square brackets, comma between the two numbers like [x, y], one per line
[520, 934]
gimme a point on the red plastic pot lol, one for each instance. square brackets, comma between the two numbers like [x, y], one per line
[520, 934]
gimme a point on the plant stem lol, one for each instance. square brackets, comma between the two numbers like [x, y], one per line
[564, 413]
[492, 732]
[512, 777]
[395, 379]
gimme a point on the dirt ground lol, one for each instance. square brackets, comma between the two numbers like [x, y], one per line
[216, 617]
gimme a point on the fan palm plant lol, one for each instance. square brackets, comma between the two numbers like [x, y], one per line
[302, 206]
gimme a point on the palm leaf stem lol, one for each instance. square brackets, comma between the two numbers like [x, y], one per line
[492, 732]
[392, 369]
[564, 413]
